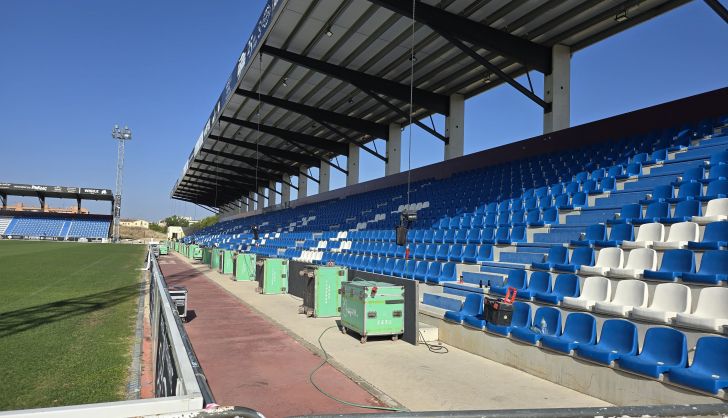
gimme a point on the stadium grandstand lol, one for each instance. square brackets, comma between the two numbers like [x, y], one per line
[18, 221]
[612, 234]
[582, 272]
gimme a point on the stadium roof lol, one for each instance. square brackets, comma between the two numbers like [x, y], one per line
[336, 73]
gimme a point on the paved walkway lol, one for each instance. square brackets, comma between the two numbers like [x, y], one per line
[251, 362]
[410, 375]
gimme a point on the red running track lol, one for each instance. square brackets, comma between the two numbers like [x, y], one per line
[251, 362]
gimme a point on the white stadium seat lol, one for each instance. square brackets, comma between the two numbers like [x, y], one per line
[607, 259]
[668, 300]
[595, 289]
[638, 261]
[646, 235]
[680, 234]
[716, 211]
[629, 294]
[711, 313]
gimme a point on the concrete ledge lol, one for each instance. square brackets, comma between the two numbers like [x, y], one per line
[614, 386]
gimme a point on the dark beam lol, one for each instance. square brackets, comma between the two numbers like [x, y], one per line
[406, 116]
[422, 98]
[261, 175]
[718, 9]
[528, 53]
[221, 180]
[497, 71]
[269, 165]
[270, 151]
[373, 129]
[291, 136]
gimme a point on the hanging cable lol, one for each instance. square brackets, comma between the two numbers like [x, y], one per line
[257, 137]
[411, 105]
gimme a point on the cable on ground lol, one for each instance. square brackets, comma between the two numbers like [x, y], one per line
[434, 348]
[328, 395]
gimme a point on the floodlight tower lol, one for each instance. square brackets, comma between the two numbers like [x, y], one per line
[121, 135]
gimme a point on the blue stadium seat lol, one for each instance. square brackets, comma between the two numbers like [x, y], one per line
[420, 272]
[433, 272]
[564, 285]
[684, 211]
[556, 255]
[708, 371]
[713, 269]
[654, 212]
[674, 264]
[663, 349]
[715, 237]
[485, 253]
[594, 233]
[546, 321]
[472, 306]
[447, 273]
[409, 269]
[659, 194]
[686, 191]
[470, 253]
[579, 328]
[618, 338]
[627, 214]
[516, 279]
[539, 281]
[581, 256]
[618, 233]
[716, 189]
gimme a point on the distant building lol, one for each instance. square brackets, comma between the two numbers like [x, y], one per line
[175, 232]
[135, 223]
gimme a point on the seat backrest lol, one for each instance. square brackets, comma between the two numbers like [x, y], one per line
[557, 255]
[610, 257]
[583, 256]
[693, 174]
[540, 281]
[448, 270]
[622, 232]
[671, 297]
[711, 302]
[516, 278]
[657, 210]
[684, 231]
[718, 171]
[687, 208]
[619, 334]
[631, 211]
[717, 206]
[518, 234]
[503, 232]
[689, 190]
[717, 187]
[714, 262]
[630, 293]
[398, 266]
[642, 259]
[667, 345]
[596, 232]
[434, 269]
[409, 266]
[596, 288]
[521, 315]
[579, 199]
[473, 305]
[710, 355]
[716, 231]
[653, 231]
[581, 327]
[421, 267]
[566, 285]
[663, 191]
[678, 261]
[550, 318]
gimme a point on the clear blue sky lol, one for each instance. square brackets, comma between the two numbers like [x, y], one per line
[72, 69]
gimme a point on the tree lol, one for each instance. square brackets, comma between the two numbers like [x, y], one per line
[158, 228]
[175, 220]
[204, 223]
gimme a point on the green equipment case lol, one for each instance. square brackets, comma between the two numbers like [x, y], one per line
[195, 252]
[191, 250]
[163, 249]
[322, 297]
[206, 255]
[215, 258]
[271, 275]
[244, 269]
[227, 262]
[372, 309]
[176, 246]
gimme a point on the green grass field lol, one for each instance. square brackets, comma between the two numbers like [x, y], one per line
[67, 315]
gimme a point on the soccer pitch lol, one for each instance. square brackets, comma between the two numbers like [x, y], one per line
[67, 316]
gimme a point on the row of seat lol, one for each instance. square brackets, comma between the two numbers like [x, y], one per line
[661, 211]
[664, 350]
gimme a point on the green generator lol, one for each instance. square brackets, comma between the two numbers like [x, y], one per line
[227, 258]
[244, 268]
[163, 249]
[321, 297]
[372, 309]
[271, 275]
[215, 258]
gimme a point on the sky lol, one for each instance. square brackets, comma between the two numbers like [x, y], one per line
[70, 70]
